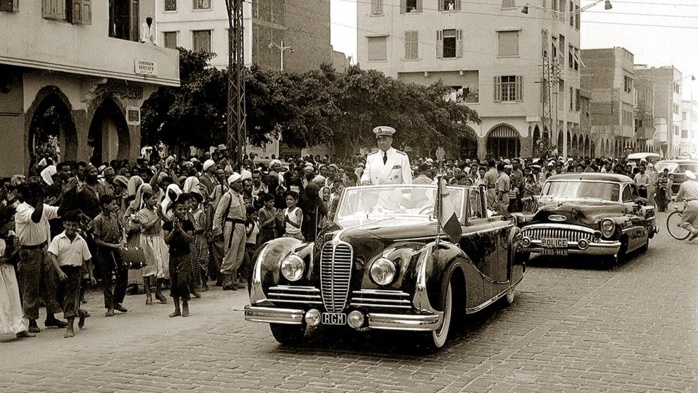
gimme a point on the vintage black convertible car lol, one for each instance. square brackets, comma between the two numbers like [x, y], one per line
[381, 266]
[595, 214]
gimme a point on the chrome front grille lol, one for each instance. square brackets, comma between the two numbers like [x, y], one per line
[573, 235]
[294, 295]
[381, 299]
[335, 275]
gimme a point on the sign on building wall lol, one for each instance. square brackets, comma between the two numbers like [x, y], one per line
[133, 115]
[145, 67]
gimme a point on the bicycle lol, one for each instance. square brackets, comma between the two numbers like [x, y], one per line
[673, 224]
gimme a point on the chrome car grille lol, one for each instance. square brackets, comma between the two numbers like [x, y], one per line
[557, 233]
[380, 299]
[335, 275]
[294, 295]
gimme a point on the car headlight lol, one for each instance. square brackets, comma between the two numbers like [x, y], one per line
[292, 267]
[383, 271]
[607, 227]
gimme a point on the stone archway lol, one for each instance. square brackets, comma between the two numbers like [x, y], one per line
[537, 142]
[560, 141]
[575, 146]
[52, 129]
[468, 144]
[587, 151]
[108, 137]
[503, 141]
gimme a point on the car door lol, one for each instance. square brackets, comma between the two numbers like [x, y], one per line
[632, 227]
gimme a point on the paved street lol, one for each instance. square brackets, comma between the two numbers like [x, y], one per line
[574, 327]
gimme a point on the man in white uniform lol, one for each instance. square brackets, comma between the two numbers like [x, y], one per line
[386, 165]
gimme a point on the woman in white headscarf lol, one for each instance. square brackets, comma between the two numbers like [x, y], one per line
[171, 195]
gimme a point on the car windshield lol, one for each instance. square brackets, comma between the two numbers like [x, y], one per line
[606, 191]
[394, 200]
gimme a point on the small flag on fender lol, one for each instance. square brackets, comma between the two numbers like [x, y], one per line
[448, 221]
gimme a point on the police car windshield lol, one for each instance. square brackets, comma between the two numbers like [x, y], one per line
[606, 191]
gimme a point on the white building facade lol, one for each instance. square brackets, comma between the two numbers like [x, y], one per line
[520, 72]
[72, 81]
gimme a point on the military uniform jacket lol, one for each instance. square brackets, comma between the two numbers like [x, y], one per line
[396, 169]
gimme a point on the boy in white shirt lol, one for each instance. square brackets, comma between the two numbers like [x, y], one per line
[68, 252]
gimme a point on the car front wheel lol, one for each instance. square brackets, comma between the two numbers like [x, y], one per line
[288, 334]
[438, 337]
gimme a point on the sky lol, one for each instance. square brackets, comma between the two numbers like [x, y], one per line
[658, 32]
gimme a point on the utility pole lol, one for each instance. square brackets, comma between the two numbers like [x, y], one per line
[236, 116]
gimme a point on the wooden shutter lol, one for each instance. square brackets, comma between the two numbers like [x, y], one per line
[411, 45]
[442, 5]
[519, 88]
[497, 89]
[419, 5]
[459, 43]
[403, 6]
[508, 43]
[81, 12]
[439, 44]
[53, 9]
[458, 5]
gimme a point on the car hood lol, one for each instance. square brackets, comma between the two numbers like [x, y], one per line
[586, 213]
[372, 237]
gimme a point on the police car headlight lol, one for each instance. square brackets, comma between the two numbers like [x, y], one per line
[383, 271]
[607, 227]
[292, 267]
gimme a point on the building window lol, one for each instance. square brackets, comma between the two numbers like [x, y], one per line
[578, 100]
[170, 38]
[407, 6]
[202, 4]
[411, 45]
[577, 20]
[677, 88]
[508, 43]
[9, 5]
[627, 84]
[170, 5]
[377, 48]
[449, 43]
[508, 88]
[508, 3]
[53, 9]
[201, 40]
[570, 57]
[449, 5]
[376, 7]
[78, 12]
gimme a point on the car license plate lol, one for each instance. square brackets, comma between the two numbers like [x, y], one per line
[552, 242]
[554, 252]
[334, 318]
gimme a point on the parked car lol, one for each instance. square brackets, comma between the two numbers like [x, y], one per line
[384, 264]
[595, 214]
[677, 168]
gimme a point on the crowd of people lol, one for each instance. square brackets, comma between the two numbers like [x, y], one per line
[200, 219]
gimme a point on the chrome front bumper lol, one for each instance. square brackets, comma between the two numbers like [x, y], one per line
[601, 247]
[379, 321]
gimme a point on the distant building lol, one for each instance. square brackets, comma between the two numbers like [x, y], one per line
[689, 128]
[295, 32]
[608, 75]
[521, 73]
[73, 77]
[667, 89]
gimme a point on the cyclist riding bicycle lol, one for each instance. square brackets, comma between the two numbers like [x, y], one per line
[688, 192]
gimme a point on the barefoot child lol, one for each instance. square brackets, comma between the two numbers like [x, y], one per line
[179, 235]
[68, 252]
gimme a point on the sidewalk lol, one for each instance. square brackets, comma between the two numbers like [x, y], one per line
[141, 323]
